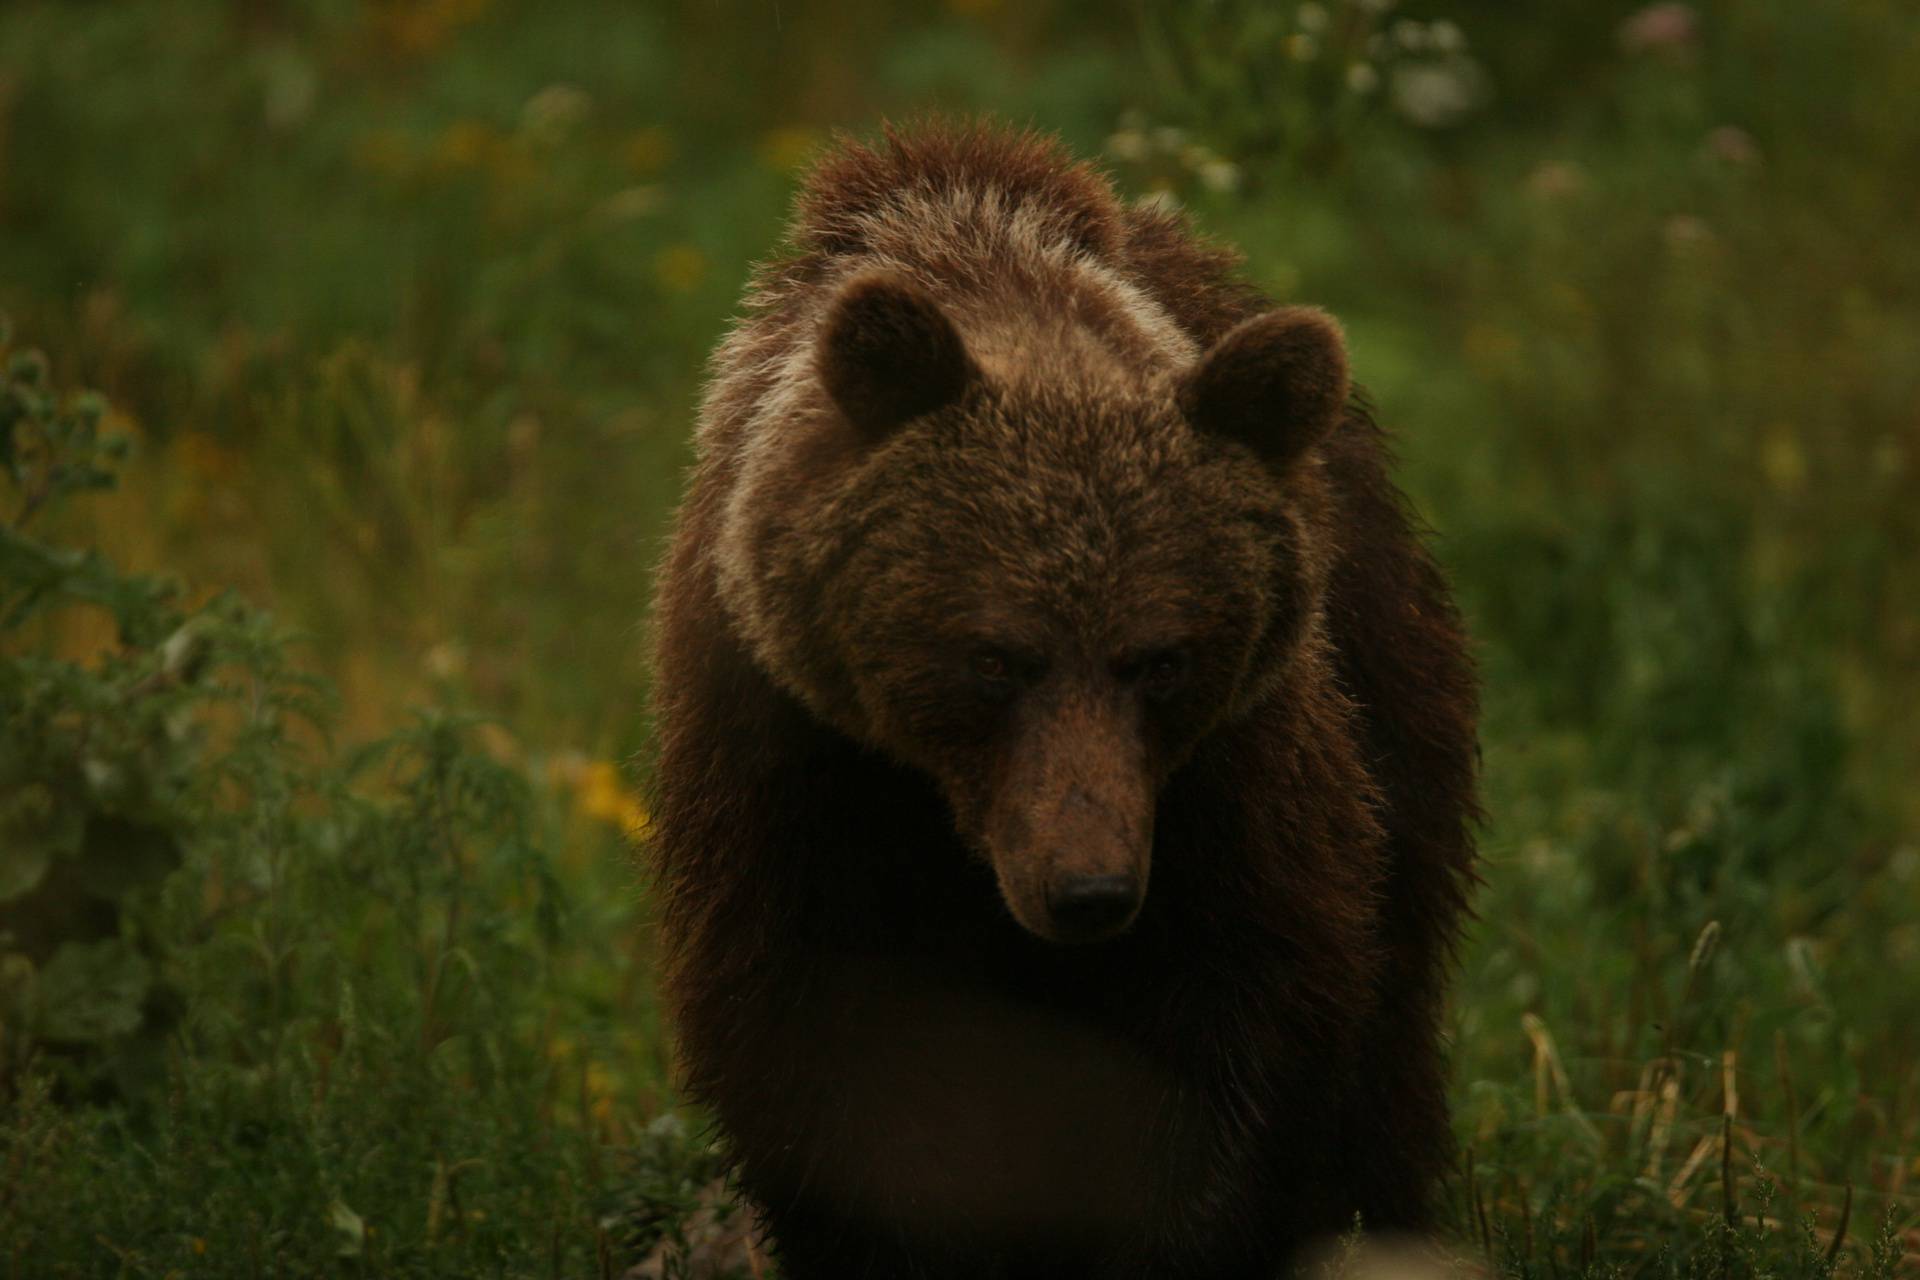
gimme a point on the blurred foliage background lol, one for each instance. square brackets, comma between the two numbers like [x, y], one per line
[318, 944]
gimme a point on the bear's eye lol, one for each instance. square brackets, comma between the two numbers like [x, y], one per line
[1158, 673]
[1000, 673]
[993, 667]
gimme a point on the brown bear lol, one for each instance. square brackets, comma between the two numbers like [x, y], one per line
[1065, 780]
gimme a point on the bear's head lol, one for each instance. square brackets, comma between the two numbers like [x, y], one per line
[1044, 589]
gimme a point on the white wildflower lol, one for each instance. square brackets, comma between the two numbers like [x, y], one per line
[555, 111]
[1220, 175]
[1128, 145]
[1434, 95]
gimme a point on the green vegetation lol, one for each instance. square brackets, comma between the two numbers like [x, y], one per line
[319, 951]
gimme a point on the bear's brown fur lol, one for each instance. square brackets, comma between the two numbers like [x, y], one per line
[1038, 582]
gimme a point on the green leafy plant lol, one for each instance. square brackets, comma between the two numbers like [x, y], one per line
[264, 997]
[97, 764]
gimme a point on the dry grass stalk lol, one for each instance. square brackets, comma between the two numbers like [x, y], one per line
[1548, 1067]
[1662, 1131]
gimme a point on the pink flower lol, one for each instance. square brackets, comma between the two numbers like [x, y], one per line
[1661, 28]
[1687, 234]
[1556, 180]
[1733, 145]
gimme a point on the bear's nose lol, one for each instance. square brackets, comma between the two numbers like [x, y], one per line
[1087, 908]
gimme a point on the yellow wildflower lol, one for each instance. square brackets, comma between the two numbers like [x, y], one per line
[787, 148]
[680, 267]
[600, 1092]
[511, 167]
[630, 202]
[414, 28]
[465, 144]
[385, 152]
[118, 422]
[601, 792]
[206, 457]
[497, 742]
[1782, 459]
[1570, 299]
[647, 151]
[1489, 348]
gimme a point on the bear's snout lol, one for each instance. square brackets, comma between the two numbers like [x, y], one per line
[1070, 830]
[1088, 908]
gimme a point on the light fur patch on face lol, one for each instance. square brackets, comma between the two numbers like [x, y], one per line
[790, 395]
[989, 241]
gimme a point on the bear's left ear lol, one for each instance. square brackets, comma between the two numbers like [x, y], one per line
[888, 353]
[1276, 383]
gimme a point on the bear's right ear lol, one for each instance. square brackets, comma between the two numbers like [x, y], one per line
[888, 353]
[1276, 383]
